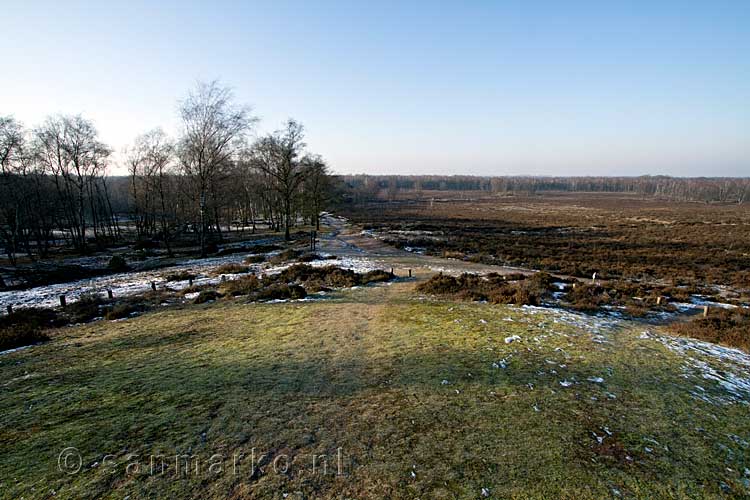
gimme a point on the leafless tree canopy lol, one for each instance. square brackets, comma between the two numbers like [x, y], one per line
[56, 191]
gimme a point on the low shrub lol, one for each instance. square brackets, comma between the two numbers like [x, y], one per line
[730, 327]
[443, 284]
[281, 291]
[231, 269]
[316, 285]
[86, 308]
[180, 276]
[117, 264]
[492, 288]
[254, 259]
[26, 327]
[587, 298]
[191, 289]
[241, 286]
[308, 257]
[206, 296]
[123, 310]
[375, 276]
[329, 276]
[340, 278]
[286, 255]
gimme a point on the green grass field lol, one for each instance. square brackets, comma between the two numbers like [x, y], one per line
[395, 394]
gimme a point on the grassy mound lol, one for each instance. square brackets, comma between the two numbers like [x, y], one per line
[424, 399]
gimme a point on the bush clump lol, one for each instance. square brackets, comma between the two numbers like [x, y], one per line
[588, 298]
[86, 308]
[730, 327]
[308, 257]
[281, 291]
[123, 310]
[286, 255]
[22, 328]
[330, 276]
[241, 286]
[376, 276]
[254, 259]
[636, 299]
[493, 288]
[180, 276]
[206, 296]
[231, 269]
[117, 264]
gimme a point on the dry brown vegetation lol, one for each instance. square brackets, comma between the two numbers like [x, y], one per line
[724, 326]
[25, 327]
[231, 269]
[493, 288]
[619, 236]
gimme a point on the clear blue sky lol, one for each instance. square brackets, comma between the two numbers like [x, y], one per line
[487, 88]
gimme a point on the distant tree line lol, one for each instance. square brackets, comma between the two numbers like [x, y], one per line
[55, 187]
[359, 188]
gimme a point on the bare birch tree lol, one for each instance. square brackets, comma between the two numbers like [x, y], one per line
[214, 130]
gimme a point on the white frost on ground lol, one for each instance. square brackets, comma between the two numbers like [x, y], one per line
[729, 368]
[16, 349]
[137, 282]
[357, 264]
[588, 323]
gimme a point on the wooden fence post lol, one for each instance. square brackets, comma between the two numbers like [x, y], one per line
[410, 273]
[110, 295]
[153, 286]
[63, 303]
[10, 309]
[705, 311]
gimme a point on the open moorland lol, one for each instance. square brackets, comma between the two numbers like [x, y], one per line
[615, 235]
[309, 380]
[397, 394]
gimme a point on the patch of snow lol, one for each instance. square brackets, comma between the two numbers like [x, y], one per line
[729, 368]
[16, 349]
